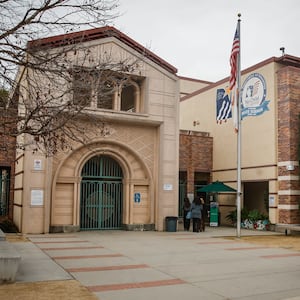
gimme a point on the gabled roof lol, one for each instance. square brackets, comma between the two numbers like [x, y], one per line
[287, 60]
[98, 33]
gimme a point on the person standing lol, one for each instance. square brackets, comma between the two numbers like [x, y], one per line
[196, 214]
[203, 215]
[186, 214]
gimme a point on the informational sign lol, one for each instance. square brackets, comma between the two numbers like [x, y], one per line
[271, 200]
[37, 197]
[37, 164]
[168, 187]
[137, 197]
[214, 214]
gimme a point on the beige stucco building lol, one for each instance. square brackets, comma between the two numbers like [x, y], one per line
[154, 131]
[126, 175]
[269, 138]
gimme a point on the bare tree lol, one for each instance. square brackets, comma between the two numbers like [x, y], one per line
[49, 80]
[26, 20]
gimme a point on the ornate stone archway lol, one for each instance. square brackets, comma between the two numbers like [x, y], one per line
[65, 200]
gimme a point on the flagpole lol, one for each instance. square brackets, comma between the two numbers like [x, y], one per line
[239, 133]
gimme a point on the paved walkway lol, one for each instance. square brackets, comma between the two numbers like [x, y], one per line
[146, 265]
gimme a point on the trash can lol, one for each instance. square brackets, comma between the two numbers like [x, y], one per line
[171, 224]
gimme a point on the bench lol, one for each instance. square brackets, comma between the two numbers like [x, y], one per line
[9, 260]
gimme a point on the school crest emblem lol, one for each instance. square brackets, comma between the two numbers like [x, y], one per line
[254, 92]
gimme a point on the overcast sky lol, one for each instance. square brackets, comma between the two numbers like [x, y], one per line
[195, 36]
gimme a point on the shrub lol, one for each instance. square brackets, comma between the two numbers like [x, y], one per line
[232, 215]
[252, 215]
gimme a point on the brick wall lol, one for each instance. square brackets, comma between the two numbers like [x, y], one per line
[195, 155]
[288, 83]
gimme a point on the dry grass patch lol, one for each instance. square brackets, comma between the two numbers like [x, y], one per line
[46, 290]
[281, 241]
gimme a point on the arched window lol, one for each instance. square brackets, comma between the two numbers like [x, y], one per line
[130, 97]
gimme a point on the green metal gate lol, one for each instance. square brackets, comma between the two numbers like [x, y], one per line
[101, 194]
[4, 191]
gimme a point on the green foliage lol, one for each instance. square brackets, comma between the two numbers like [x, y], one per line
[244, 213]
[232, 216]
[253, 215]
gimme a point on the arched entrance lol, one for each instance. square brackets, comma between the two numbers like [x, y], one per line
[101, 194]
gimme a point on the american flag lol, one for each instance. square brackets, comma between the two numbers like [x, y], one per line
[233, 76]
[233, 59]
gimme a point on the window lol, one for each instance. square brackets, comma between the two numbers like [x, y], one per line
[107, 90]
[105, 94]
[127, 98]
[82, 88]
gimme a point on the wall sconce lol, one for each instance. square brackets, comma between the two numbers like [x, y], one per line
[290, 167]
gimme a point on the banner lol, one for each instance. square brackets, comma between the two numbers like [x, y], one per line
[254, 92]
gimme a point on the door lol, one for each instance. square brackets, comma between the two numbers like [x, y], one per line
[101, 194]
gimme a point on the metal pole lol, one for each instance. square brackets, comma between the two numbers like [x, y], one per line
[239, 134]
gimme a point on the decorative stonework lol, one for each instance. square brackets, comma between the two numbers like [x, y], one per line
[141, 140]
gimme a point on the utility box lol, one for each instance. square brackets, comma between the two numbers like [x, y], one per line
[214, 214]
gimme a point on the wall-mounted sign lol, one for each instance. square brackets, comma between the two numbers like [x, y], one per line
[37, 164]
[137, 197]
[271, 200]
[37, 197]
[168, 187]
[254, 93]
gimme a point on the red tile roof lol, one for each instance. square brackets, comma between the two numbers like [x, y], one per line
[94, 34]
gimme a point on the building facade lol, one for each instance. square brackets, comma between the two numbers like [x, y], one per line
[269, 143]
[126, 174]
[155, 140]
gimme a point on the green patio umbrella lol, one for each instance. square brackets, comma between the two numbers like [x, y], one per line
[216, 187]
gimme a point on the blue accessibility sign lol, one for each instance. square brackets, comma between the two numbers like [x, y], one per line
[137, 197]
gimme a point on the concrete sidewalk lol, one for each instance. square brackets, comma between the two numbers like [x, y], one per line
[163, 265]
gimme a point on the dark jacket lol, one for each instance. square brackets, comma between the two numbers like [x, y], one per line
[196, 210]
